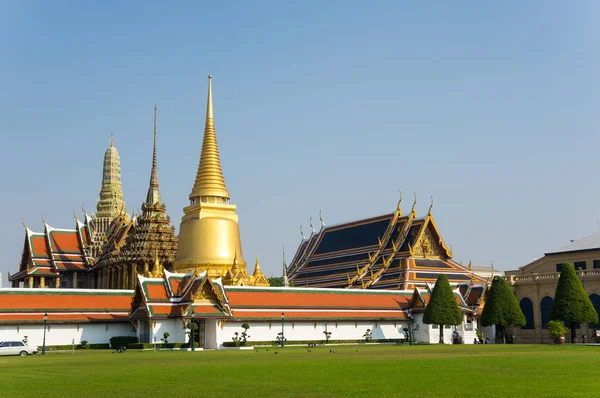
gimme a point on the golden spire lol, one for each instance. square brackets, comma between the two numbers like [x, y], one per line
[209, 178]
[256, 268]
[153, 195]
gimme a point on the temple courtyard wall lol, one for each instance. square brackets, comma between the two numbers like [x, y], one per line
[66, 333]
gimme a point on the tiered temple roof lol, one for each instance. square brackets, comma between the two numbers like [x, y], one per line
[393, 251]
[54, 252]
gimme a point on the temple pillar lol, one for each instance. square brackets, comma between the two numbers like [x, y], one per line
[102, 281]
[124, 285]
[57, 282]
[74, 282]
[133, 280]
[30, 282]
[119, 277]
[42, 282]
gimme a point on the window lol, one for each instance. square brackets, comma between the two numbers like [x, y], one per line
[545, 306]
[17, 344]
[595, 299]
[596, 264]
[579, 265]
[559, 267]
[527, 308]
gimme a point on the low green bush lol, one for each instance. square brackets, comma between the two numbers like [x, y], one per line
[103, 346]
[122, 341]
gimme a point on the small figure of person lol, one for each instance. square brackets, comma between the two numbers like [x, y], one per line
[475, 340]
[583, 338]
[487, 340]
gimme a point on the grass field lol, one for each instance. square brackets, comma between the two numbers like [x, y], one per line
[386, 370]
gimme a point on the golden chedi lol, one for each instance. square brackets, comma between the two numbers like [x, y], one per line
[209, 235]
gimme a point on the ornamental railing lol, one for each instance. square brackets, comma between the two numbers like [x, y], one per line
[533, 278]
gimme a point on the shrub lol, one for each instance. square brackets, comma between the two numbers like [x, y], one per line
[122, 341]
[84, 345]
[165, 338]
[240, 340]
[557, 328]
[368, 335]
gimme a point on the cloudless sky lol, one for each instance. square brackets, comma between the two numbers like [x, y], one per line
[492, 108]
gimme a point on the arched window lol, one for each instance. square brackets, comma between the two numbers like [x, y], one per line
[595, 299]
[545, 306]
[527, 308]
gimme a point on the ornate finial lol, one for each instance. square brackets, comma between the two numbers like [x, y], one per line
[209, 178]
[82, 208]
[302, 233]
[43, 221]
[112, 139]
[23, 222]
[321, 218]
[311, 225]
[75, 216]
[399, 202]
[430, 207]
[470, 268]
[414, 203]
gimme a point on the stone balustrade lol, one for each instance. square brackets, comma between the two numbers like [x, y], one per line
[548, 276]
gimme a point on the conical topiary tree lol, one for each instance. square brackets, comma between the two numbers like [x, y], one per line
[571, 303]
[501, 308]
[442, 308]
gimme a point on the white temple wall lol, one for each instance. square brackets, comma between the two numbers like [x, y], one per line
[65, 333]
[311, 331]
[172, 326]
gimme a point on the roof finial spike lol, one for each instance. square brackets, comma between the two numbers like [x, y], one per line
[430, 207]
[23, 222]
[311, 225]
[75, 216]
[321, 218]
[43, 221]
[82, 208]
[302, 233]
[112, 139]
[414, 203]
[399, 202]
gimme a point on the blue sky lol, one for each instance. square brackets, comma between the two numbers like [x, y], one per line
[492, 109]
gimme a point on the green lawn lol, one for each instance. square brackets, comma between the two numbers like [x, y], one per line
[386, 370]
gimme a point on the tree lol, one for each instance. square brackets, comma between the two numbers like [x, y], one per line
[275, 281]
[502, 308]
[442, 308]
[571, 303]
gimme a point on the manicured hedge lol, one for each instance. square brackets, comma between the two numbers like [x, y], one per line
[122, 341]
[66, 347]
[142, 346]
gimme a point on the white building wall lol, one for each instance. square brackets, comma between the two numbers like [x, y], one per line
[311, 331]
[172, 326]
[65, 333]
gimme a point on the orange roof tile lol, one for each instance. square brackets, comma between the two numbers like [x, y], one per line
[301, 315]
[57, 300]
[312, 298]
[65, 242]
[40, 247]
